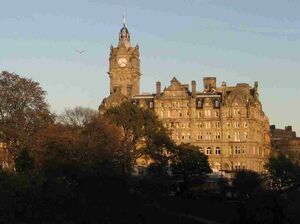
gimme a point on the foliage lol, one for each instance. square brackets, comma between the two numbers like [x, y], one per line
[143, 134]
[187, 161]
[283, 173]
[23, 111]
[247, 182]
[96, 141]
[24, 162]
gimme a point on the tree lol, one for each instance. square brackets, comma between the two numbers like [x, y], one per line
[23, 112]
[283, 173]
[247, 182]
[95, 142]
[187, 161]
[77, 116]
[24, 162]
[143, 134]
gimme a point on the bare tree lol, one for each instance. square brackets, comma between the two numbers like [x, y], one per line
[77, 116]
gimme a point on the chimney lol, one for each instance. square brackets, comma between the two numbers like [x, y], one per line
[288, 128]
[158, 88]
[194, 88]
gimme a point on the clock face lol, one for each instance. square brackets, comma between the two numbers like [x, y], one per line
[122, 62]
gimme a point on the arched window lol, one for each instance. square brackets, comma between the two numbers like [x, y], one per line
[208, 151]
[218, 151]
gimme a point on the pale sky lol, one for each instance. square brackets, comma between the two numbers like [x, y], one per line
[234, 40]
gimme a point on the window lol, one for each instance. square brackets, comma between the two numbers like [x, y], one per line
[199, 103]
[217, 124]
[208, 136]
[236, 124]
[207, 125]
[218, 136]
[246, 135]
[189, 136]
[169, 113]
[228, 135]
[199, 114]
[246, 125]
[237, 166]
[207, 113]
[182, 136]
[189, 124]
[237, 150]
[218, 151]
[244, 150]
[236, 112]
[161, 104]
[217, 113]
[227, 113]
[180, 114]
[151, 104]
[200, 149]
[217, 103]
[200, 137]
[237, 136]
[177, 135]
[161, 113]
[208, 151]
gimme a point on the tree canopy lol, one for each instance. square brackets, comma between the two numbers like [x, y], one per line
[188, 161]
[23, 111]
[143, 134]
[247, 182]
[283, 173]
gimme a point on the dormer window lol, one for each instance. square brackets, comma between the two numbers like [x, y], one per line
[217, 103]
[199, 103]
[151, 104]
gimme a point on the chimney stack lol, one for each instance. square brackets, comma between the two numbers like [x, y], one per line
[193, 88]
[158, 88]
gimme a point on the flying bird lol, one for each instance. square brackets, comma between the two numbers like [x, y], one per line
[80, 52]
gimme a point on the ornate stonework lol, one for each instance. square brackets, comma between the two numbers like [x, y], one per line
[124, 70]
[226, 122]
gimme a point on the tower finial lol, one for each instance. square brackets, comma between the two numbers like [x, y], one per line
[124, 20]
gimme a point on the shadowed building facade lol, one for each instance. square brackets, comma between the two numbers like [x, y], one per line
[226, 122]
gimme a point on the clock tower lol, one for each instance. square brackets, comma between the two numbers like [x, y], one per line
[124, 66]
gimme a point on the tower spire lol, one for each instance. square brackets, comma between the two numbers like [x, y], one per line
[124, 36]
[124, 20]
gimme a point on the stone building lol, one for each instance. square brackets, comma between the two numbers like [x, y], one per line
[284, 139]
[226, 122]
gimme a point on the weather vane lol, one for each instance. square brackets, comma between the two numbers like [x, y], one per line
[124, 20]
